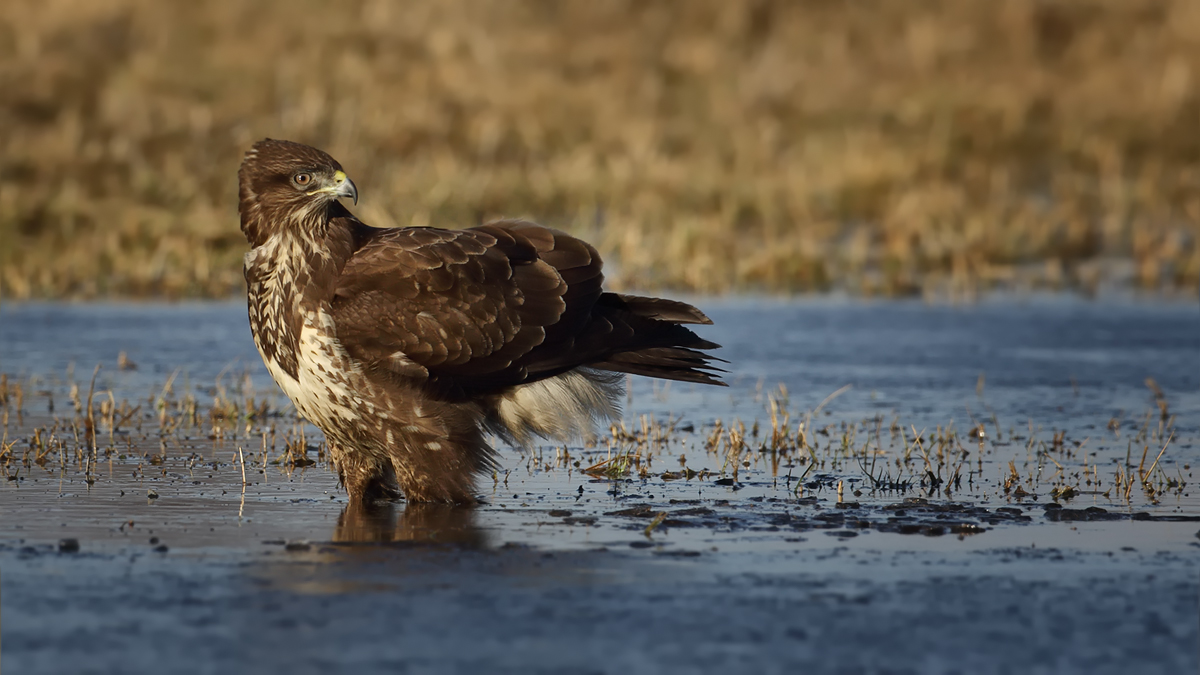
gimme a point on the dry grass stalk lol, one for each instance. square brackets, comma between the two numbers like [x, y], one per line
[887, 148]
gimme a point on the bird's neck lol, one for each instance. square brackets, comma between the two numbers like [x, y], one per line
[292, 277]
[312, 259]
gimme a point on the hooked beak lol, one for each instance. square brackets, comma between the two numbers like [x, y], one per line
[344, 187]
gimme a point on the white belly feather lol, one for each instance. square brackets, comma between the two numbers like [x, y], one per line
[322, 390]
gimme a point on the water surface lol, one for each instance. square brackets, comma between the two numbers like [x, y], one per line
[766, 567]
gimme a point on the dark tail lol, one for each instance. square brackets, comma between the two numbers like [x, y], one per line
[660, 346]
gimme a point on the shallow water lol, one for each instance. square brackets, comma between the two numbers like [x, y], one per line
[1059, 387]
[1021, 372]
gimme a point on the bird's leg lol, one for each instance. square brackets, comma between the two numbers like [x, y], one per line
[442, 470]
[436, 449]
[385, 487]
[365, 478]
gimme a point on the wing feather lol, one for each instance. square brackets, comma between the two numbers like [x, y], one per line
[474, 311]
[465, 306]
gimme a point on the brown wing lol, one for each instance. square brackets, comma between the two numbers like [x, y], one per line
[471, 310]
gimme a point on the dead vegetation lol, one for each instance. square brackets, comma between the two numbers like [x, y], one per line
[173, 426]
[795, 453]
[933, 147]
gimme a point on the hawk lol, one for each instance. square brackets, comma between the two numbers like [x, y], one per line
[408, 346]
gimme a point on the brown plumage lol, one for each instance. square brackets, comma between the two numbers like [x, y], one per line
[406, 345]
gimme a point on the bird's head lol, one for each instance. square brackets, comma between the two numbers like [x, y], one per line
[289, 185]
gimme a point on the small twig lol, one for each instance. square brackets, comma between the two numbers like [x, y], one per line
[125, 418]
[91, 419]
[658, 520]
[830, 397]
[1146, 476]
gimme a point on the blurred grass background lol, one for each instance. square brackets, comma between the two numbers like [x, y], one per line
[877, 147]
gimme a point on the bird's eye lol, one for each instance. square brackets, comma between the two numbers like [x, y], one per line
[302, 179]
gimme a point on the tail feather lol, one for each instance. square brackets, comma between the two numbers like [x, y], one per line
[659, 309]
[647, 336]
[685, 364]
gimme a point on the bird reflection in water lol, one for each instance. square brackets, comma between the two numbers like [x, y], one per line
[414, 522]
[375, 547]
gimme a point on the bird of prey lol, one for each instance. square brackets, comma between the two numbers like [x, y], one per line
[408, 346]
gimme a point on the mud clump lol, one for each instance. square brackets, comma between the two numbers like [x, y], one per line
[913, 516]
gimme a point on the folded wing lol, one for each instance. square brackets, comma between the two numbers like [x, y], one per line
[475, 311]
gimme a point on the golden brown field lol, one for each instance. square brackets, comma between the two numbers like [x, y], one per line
[879, 147]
